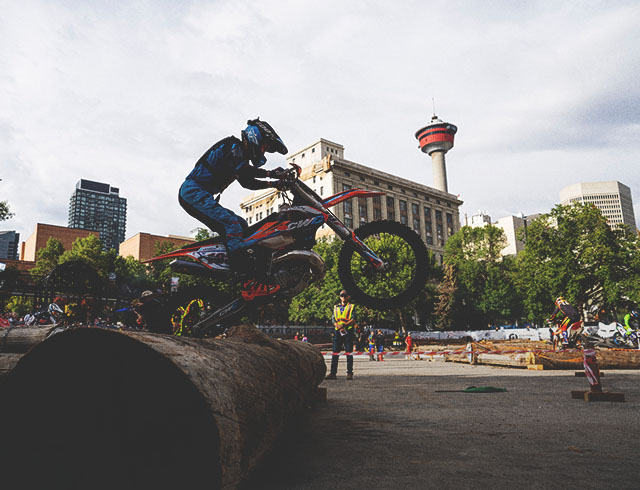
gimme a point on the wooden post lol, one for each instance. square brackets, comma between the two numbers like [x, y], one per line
[94, 408]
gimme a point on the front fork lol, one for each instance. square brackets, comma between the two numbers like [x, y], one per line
[348, 235]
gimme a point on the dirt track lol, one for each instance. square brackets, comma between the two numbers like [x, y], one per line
[389, 429]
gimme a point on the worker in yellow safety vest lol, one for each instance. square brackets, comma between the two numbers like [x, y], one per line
[344, 323]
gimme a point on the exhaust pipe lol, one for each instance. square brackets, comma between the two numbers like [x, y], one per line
[193, 268]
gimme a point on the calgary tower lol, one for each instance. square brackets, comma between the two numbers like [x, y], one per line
[436, 139]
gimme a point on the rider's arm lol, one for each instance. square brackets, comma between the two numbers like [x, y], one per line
[248, 177]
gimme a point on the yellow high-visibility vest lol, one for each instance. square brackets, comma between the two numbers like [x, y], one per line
[342, 314]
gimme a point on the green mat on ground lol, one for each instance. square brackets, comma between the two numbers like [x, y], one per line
[483, 389]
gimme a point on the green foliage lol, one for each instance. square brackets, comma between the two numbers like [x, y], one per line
[20, 305]
[482, 291]
[574, 253]
[47, 258]
[315, 304]
[5, 212]
[90, 250]
[203, 234]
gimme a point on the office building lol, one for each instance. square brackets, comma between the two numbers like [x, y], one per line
[9, 241]
[612, 198]
[432, 213]
[98, 207]
[509, 225]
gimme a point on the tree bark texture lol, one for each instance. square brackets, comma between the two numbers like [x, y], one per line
[93, 408]
[8, 362]
[19, 340]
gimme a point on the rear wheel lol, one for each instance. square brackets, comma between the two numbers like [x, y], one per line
[406, 266]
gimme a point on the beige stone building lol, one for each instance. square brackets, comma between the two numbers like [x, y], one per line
[42, 234]
[612, 198]
[432, 213]
[142, 246]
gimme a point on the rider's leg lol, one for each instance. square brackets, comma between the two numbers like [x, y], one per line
[563, 328]
[202, 206]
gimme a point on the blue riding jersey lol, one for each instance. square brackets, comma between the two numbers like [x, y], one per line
[223, 163]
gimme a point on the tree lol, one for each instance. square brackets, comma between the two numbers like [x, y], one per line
[5, 212]
[47, 258]
[315, 304]
[90, 250]
[485, 292]
[446, 298]
[573, 252]
[20, 305]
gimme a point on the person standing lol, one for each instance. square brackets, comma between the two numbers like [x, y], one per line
[343, 334]
[379, 338]
[372, 345]
[409, 343]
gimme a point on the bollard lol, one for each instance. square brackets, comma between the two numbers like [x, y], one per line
[592, 373]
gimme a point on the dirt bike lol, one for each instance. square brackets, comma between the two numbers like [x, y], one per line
[625, 340]
[383, 264]
[575, 336]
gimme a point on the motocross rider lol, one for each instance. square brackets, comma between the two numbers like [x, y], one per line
[228, 160]
[631, 321]
[566, 315]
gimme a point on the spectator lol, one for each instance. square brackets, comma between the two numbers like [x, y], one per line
[343, 334]
[379, 339]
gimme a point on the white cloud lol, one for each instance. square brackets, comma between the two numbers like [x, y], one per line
[133, 93]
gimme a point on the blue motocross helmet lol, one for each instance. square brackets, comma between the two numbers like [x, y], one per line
[260, 138]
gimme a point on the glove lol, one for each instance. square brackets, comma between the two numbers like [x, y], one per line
[277, 173]
[281, 185]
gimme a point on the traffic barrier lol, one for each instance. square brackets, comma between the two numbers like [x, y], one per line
[592, 373]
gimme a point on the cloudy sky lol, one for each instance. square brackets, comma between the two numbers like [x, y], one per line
[544, 94]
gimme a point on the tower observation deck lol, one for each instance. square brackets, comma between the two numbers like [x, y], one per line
[436, 139]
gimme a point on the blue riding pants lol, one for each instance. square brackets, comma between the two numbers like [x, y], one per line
[200, 204]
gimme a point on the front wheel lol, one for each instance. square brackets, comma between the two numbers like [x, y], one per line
[406, 266]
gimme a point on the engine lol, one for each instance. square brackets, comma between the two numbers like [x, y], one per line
[295, 270]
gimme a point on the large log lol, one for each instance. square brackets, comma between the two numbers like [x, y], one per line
[92, 408]
[19, 340]
[607, 359]
[8, 362]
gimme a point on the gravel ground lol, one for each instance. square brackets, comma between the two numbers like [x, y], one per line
[388, 428]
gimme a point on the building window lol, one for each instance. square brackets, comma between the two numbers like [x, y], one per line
[348, 222]
[449, 224]
[404, 219]
[415, 212]
[321, 190]
[362, 210]
[391, 209]
[439, 228]
[428, 227]
[348, 208]
[377, 208]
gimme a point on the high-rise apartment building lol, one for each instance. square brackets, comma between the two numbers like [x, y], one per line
[432, 213]
[98, 207]
[612, 198]
[9, 241]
